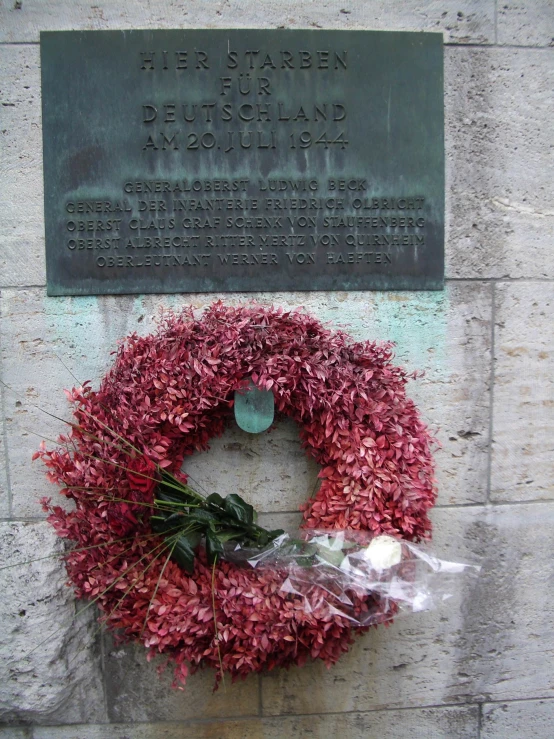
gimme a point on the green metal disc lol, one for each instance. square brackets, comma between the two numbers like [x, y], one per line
[254, 409]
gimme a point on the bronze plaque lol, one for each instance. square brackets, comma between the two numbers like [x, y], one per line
[242, 160]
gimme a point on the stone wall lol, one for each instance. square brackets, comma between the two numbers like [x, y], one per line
[481, 666]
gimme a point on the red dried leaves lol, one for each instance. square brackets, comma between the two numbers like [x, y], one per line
[167, 395]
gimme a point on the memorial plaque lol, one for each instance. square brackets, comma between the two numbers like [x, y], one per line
[242, 160]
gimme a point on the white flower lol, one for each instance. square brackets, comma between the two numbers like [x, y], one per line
[383, 552]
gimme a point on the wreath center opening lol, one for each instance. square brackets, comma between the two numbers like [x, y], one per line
[269, 470]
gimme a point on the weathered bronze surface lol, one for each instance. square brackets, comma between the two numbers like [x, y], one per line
[247, 160]
[254, 409]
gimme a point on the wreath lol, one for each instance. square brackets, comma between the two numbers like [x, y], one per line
[165, 397]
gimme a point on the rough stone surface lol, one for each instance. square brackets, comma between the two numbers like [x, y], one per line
[21, 195]
[446, 335]
[50, 667]
[49, 344]
[4, 487]
[463, 22]
[493, 640]
[135, 692]
[526, 23]
[289, 522]
[43, 342]
[500, 188]
[269, 470]
[523, 418]
[439, 723]
[529, 719]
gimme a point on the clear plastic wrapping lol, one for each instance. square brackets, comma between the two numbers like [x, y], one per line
[352, 574]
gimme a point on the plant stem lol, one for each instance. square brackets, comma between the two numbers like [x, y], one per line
[215, 629]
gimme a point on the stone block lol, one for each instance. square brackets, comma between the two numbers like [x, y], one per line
[500, 190]
[490, 641]
[523, 417]
[464, 22]
[529, 719]
[444, 334]
[136, 693]
[16, 732]
[50, 663]
[22, 254]
[270, 470]
[439, 723]
[525, 23]
[4, 482]
[499, 193]
[289, 522]
[49, 344]
[21, 196]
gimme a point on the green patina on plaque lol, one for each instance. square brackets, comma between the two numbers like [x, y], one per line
[254, 409]
[247, 160]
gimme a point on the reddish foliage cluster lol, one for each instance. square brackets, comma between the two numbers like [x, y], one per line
[168, 394]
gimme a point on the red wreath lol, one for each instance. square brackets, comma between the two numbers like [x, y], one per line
[167, 395]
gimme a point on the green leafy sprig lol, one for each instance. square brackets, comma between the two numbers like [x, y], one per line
[214, 519]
